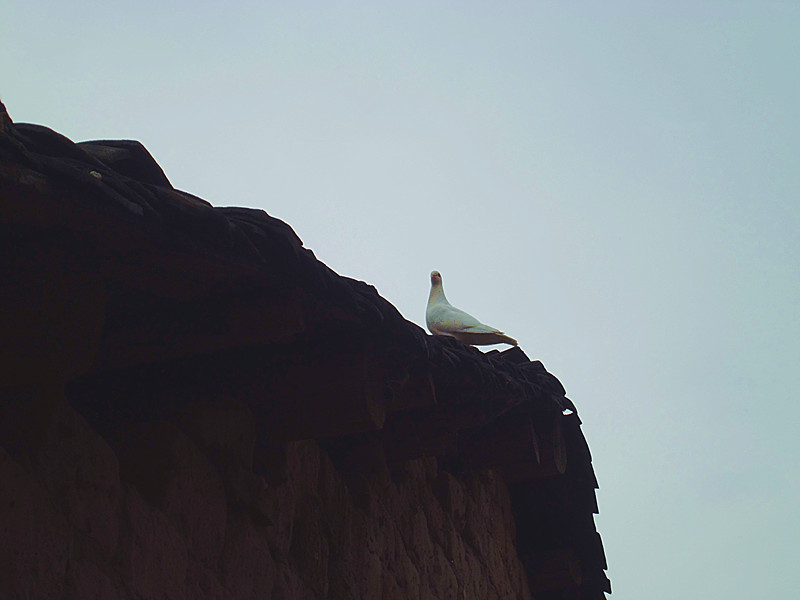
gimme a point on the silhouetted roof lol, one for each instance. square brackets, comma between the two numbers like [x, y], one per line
[208, 289]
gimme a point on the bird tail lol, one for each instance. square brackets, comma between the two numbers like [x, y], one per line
[503, 338]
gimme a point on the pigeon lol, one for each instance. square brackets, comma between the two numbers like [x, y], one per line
[442, 318]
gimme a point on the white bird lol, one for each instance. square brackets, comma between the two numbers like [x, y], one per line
[442, 318]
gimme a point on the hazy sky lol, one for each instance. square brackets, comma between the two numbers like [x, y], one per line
[615, 184]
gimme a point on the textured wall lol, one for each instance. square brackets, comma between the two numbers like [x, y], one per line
[195, 341]
[172, 509]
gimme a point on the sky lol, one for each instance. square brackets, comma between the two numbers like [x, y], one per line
[615, 184]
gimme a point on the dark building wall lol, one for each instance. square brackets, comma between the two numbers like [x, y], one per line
[164, 365]
[170, 509]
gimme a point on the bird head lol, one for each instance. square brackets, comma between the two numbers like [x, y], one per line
[436, 277]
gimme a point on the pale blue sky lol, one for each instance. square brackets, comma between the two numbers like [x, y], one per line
[615, 184]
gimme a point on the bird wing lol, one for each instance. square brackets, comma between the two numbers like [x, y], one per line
[445, 318]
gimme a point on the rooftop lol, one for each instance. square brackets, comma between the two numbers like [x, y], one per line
[140, 286]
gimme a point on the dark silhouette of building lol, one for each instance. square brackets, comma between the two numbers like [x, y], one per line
[193, 406]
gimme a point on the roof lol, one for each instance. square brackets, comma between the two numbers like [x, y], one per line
[194, 293]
